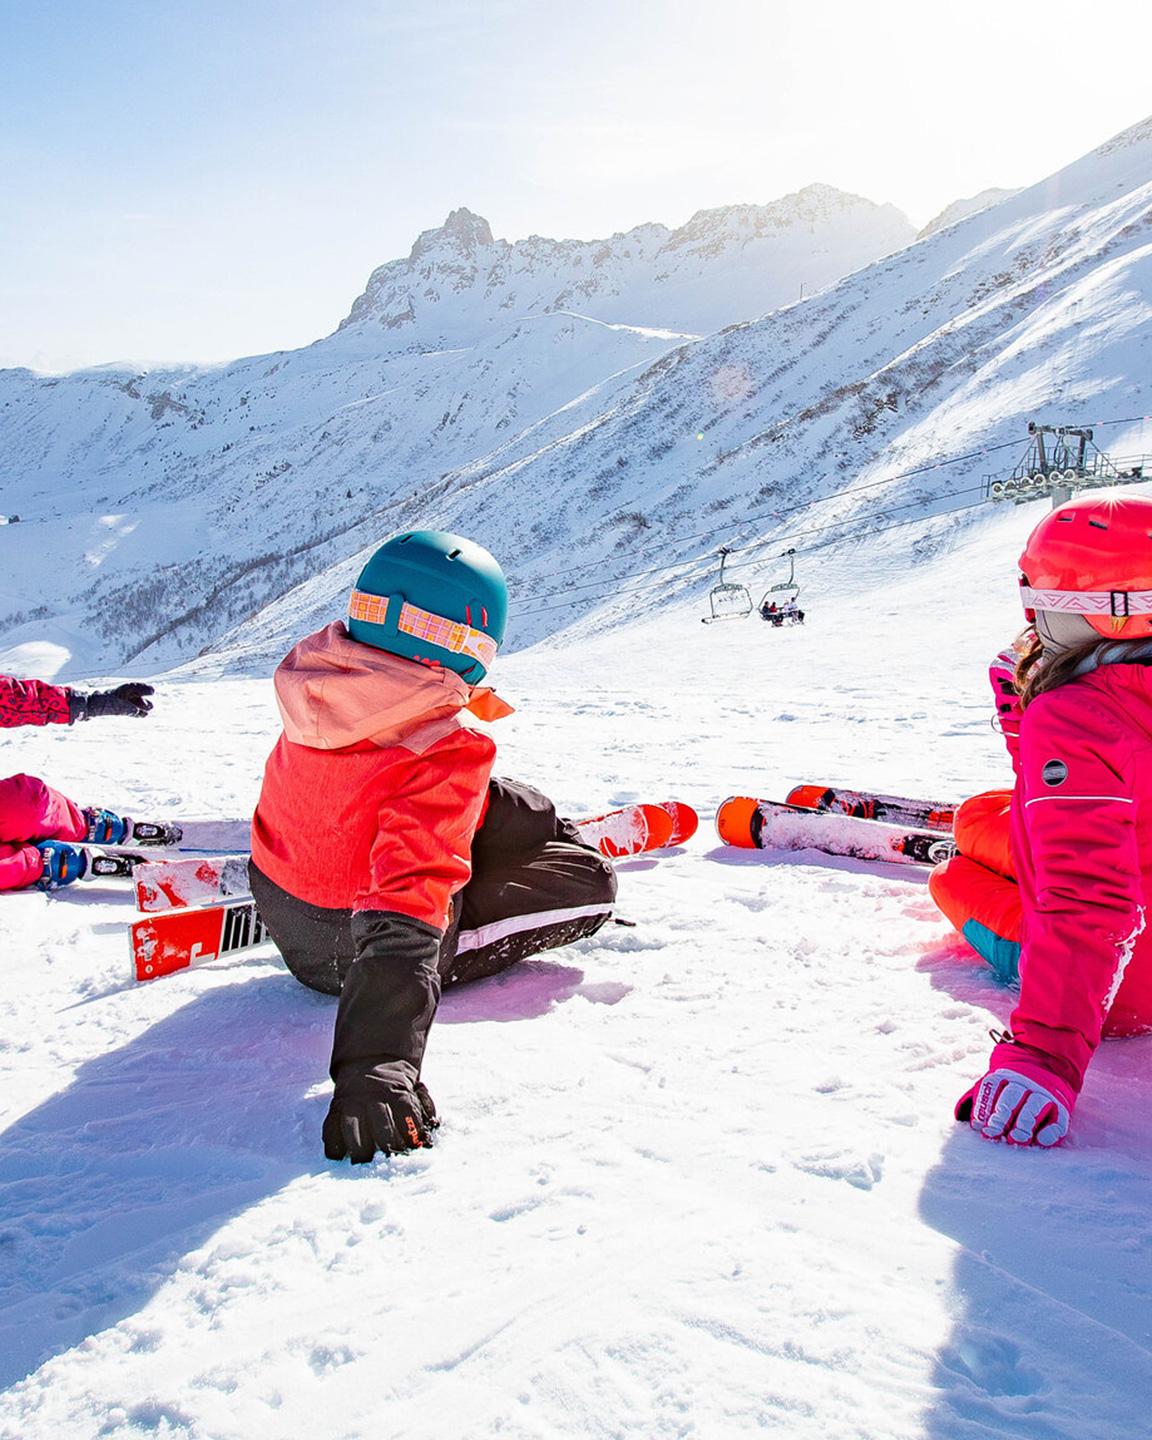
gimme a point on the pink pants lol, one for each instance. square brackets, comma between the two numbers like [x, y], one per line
[30, 811]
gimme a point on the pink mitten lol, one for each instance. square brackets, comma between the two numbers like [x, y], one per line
[1019, 1101]
[1001, 675]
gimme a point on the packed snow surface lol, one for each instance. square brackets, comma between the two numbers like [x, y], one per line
[697, 1179]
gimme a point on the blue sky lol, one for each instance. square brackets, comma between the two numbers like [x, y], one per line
[206, 179]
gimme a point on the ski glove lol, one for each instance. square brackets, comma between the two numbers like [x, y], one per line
[381, 1108]
[61, 864]
[131, 699]
[1018, 1101]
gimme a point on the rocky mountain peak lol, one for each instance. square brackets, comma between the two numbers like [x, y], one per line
[463, 232]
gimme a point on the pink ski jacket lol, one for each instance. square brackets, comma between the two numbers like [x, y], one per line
[1082, 845]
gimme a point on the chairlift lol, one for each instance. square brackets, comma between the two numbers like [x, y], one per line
[782, 596]
[726, 600]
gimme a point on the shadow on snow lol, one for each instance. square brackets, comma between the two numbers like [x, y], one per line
[1052, 1281]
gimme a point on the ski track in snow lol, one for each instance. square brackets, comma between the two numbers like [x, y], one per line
[696, 1179]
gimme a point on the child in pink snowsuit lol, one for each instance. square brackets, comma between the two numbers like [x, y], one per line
[31, 812]
[1053, 877]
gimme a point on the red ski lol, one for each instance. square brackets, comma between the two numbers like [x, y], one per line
[753, 824]
[183, 939]
[867, 805]
[176, 884]
[684, 820]
[636, 828]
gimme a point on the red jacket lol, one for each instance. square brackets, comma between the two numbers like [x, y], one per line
[1082, 844]
[373, 793]
[32, 702]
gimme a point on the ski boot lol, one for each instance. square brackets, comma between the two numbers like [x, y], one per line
[62, 862]
[105, 827]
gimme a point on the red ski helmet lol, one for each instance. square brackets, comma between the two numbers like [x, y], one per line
[1093, 557]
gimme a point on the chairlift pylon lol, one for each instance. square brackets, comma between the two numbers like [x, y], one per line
[726, 600]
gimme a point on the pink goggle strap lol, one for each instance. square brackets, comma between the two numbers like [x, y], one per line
[1117, 603]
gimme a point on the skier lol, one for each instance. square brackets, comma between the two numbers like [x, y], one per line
[1051, 881]
[385, 862]
[37, 822]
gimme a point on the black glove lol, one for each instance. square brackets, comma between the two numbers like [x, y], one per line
[131, 699]
[384, 1107]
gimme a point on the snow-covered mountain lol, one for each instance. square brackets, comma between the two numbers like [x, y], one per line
[603, 459]
[961, 209]
[722, 266]
[760, 436]
[161, 507]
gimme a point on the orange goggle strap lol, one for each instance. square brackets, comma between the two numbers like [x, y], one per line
[438, 630]
[1119, 604]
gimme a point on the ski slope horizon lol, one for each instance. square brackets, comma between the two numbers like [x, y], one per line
[696, 1178]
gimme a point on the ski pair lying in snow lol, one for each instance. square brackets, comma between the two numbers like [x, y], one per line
[171, 942]
[177, 883]
[165, 947]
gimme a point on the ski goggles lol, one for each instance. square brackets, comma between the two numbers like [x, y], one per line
[455, 636]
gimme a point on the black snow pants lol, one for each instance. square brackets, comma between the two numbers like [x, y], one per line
[535, 886]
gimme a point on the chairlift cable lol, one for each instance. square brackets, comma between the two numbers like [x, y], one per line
[851, 529]
[823, 499]
[737, 549]
[803, 504]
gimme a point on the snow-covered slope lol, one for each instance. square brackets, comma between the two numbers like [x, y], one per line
[696, 1179]
[762, 436]
[164, 506]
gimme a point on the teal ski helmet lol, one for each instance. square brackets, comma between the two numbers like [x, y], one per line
[432, 597]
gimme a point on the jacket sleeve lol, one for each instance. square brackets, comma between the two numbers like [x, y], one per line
[429, 812]
[1002, 678]
[1080, 876]
[32, 702]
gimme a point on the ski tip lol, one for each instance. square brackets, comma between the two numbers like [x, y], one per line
[734, 821]
[628, 831]
[809, 797]
[649, 828]
[685, 821]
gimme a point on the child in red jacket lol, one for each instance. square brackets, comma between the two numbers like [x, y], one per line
[1051, 882]
[385, 861]
[37, 822]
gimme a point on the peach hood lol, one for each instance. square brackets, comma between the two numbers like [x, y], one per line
[333, 692]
